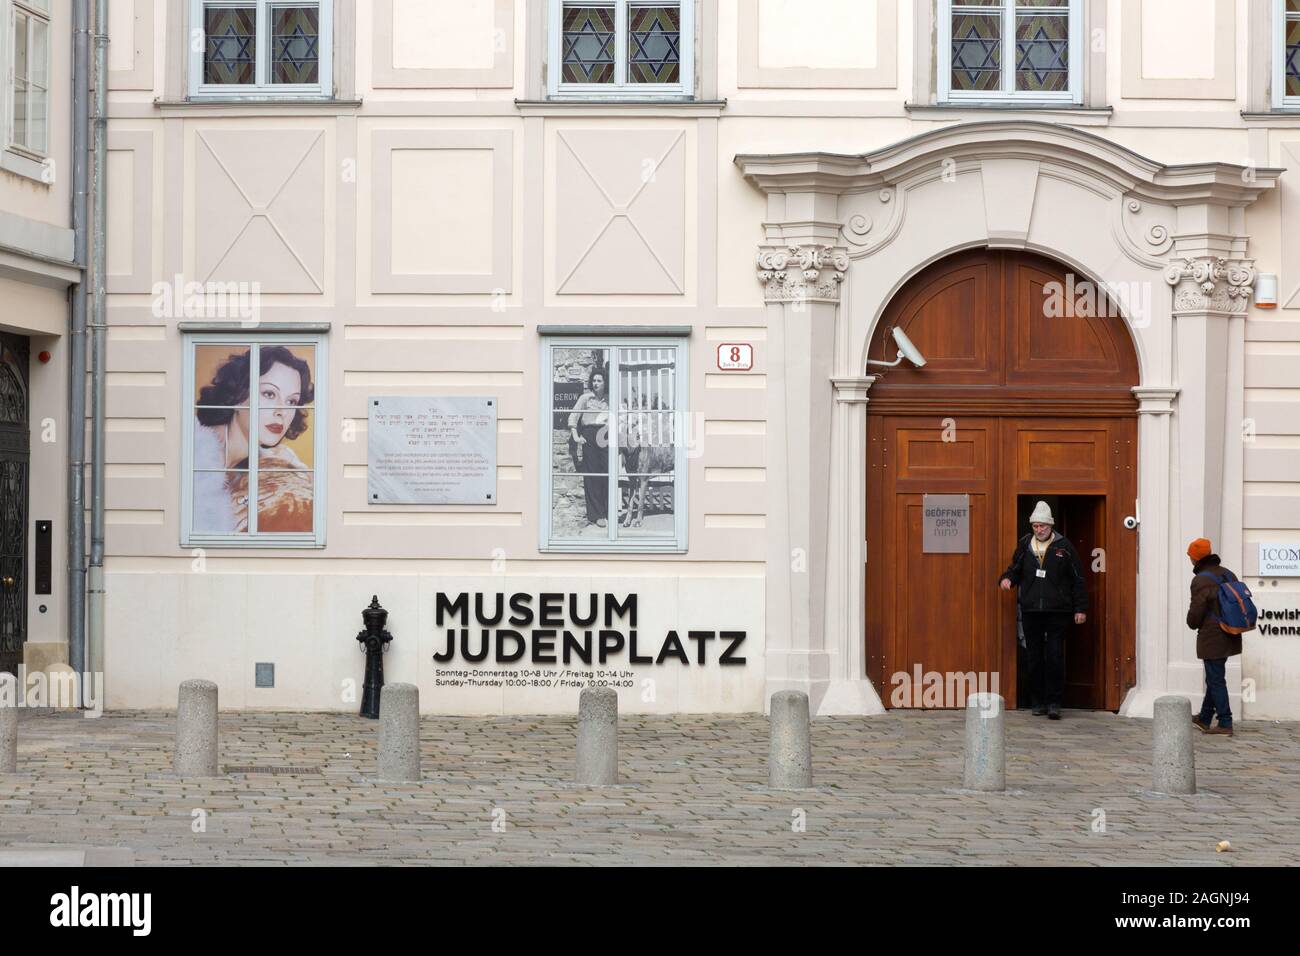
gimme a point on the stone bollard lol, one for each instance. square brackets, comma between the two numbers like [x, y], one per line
[399, 733]
[1173, 761]
[8, 723]
[598, 737]
[196, 730]
[986, 754]
[789, 755]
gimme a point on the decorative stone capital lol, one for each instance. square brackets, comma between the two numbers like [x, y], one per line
[1154, 399]
[802, 273]
[1211, 284]
[853, 391]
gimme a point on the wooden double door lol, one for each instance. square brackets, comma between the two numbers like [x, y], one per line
[943, 612]
[1017, 402]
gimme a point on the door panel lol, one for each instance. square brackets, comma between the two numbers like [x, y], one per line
[14, 440]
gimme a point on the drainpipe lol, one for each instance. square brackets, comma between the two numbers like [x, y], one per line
[76, 426]
[98, 332]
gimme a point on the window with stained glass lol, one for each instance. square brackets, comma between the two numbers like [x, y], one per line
[29, 76]
[1009, 50]
[1286, 75]
[621, 47]
[261, 47]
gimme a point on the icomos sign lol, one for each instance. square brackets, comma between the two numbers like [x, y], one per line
[1279, 560]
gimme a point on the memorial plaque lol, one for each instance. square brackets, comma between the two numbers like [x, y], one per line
[432, 450]
[945, 524]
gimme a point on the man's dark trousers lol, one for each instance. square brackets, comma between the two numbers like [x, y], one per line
[1045, 639]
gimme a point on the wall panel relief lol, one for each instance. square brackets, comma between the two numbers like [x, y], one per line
[620, 212]
[260, 207]
[443, 211]
[1289, 187]
[1179, 49]
[423, 44]
[131, 44]
[130, 244]
[818, 44]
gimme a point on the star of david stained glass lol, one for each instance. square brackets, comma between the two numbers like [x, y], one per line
[986, 38]
[621, 47]
[1291, 53]
[260, 46]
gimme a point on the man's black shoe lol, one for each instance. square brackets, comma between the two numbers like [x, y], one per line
[1039, 710]
[1053, 712]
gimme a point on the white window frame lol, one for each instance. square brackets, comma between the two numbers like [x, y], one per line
[681, 510]
[25, 159]
[1280, 100]
[620, 88]
[320, 470]
[262, 88]
[1008, 93]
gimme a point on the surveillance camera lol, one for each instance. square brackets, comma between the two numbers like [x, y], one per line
[1130, 522]
[907, 349]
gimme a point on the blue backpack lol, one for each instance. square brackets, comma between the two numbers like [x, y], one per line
[1236, 610]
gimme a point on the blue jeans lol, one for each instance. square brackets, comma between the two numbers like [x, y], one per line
[1216, 693]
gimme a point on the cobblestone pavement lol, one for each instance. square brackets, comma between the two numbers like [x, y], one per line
[693, 791]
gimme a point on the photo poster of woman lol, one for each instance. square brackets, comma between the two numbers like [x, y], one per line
[579, 442]
[284, 480]
[590, 437]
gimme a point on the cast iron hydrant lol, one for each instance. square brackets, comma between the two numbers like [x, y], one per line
[374, 640]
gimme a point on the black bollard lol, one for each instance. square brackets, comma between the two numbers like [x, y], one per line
[374, 639]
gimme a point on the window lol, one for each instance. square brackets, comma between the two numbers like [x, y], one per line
[244, 486]
[613, 456]
[260, 48]
[980, 41]
[29, 76]
[1286, 55]
[621, 48]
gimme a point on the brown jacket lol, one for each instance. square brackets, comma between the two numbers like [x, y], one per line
[1212, 641]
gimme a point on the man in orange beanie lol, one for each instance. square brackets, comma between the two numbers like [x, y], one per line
[1213, 644]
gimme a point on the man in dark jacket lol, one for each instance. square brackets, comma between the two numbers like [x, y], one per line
[1046, 570]
[1214, 645]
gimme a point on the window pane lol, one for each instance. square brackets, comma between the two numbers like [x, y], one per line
[229, 55]
[295, 44]
[587, 43]
[287, 375]
[1043, 52]
[976, 51]
[284, 502]
[20, 78]
[569, 509]
[654, 44]
[220, 502]
[1293, 50]
[285, 438]
[647, 449]
[38, 82]
[580, 442]
[221, 375]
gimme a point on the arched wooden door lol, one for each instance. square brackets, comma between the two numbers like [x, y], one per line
[1025, 395]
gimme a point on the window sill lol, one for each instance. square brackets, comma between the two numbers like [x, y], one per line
[27, 166]
[615, 105]
[258, 103]
[1075, 114]
[1282, 116]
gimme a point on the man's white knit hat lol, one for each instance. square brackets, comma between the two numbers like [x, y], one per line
[1042, 514]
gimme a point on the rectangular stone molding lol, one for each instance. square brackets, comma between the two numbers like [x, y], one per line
[419, 44]
[131, 44]
[130, 245]
[619, 206]
[429, 233]
[263, 202]
[827, 44]
[1179, 49]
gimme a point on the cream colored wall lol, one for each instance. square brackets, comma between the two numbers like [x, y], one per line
[520, 250]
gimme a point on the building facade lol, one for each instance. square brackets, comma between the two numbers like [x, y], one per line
[564, 319]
